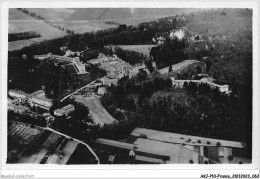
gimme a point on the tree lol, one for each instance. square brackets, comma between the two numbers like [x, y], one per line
[130, 105]
[170, 69]
[81, 112]
[149, 66]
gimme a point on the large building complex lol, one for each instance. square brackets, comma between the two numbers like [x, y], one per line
[36, 98]
[156, 147]
[75, 62]
[18, 94]
[221, 88]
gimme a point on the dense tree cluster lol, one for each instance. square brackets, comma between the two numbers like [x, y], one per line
[77, 122]
[131, 57]
[89, 54]
[120, 95]
[171, 52]
[22, 36]
[30, 118]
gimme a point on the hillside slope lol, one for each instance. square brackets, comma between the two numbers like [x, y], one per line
[124, 13]
[227, 43]
[14, 14]
[225, 22]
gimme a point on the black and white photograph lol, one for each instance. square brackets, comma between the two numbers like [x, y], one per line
[131, 86]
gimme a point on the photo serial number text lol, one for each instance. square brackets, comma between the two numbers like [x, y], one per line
[230, 176]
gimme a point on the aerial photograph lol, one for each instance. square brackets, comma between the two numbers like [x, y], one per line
[114, 86]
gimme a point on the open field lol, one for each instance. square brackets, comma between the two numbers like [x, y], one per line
[144, 49]
[179, 66]
[125, 13]
[52, 13]
[81, 27]
[98, 112]
[14, 14]
[46, 31]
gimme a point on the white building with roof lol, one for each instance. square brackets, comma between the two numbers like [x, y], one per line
[18, 94]
[40, 93]
[41, 102]
[64, 111]
[221, 88]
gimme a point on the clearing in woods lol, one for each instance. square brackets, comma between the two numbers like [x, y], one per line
[144, 49]
[98, 113]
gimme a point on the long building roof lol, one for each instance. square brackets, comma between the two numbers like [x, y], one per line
[18, 92]
[42, 98]
[67, 107]
[114, 143]
[37, 92]
[184, 139]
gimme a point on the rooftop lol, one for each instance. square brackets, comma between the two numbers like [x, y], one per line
[36, 93]
[60, 111]
[42, 98]
[18, 92]
[184, 139]
[115, 143]
[68, 107]
[176, 153]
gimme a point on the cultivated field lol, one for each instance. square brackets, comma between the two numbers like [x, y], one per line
[20, 137]
[46, 31]
[53, 13]
[81, 27]
[125, 13]
[27, 144]
[98, 112]
[14, 14]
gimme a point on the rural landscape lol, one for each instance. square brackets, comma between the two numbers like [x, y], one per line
[129, 86]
